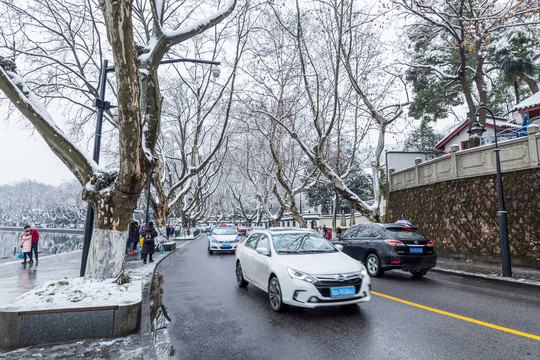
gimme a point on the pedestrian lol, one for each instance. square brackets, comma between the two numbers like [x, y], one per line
[338, 232]
[325, 232]
[168, 230]
[149, 234]
[35, 239]
[26, 244]
[133, 236]
[329, 234]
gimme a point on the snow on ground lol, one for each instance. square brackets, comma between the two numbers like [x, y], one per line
[77, 293]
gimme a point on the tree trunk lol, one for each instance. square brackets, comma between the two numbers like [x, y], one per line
[533, 85]
[298, 216]
[106, 255]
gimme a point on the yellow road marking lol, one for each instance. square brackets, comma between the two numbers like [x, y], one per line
[536, 337]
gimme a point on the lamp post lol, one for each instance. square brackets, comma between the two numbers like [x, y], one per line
[503, 226]
[101, 106]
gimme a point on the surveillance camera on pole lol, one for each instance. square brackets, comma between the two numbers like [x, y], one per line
[216, 72]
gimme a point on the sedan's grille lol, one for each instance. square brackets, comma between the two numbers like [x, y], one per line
[325, 282]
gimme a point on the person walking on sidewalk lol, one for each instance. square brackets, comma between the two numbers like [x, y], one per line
[26, 244]
[133, 237]
[149, 234]
[35, 239]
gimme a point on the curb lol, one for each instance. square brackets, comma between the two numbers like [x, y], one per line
[491, 278]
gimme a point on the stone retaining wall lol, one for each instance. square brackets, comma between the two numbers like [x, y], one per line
[461, 215]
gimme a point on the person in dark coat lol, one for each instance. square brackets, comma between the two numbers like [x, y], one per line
[133, 236]
[149, 234]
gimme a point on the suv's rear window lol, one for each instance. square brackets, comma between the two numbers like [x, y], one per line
[405, 234]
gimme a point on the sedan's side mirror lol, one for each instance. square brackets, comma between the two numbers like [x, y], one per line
[263, 251]
[339, 247]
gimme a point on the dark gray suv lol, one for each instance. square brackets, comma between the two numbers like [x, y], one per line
[389, 246]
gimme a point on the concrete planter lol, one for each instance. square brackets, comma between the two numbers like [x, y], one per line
[169, 246]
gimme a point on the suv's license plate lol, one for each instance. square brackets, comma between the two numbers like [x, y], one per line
[342, 291]
[415, 250]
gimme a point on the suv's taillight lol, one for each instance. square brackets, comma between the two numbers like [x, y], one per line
[430, 243]
[394, 242]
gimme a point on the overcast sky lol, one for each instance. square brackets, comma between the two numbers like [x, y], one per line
[25, 155]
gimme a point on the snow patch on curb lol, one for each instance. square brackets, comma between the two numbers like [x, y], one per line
[489, 276]
[77, 293]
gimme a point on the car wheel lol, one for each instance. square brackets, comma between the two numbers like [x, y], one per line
[210, 251]
[373, 265]
[275, 296]
[240, 276]
[419, 273]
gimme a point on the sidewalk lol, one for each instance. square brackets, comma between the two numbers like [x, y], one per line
[492, 271]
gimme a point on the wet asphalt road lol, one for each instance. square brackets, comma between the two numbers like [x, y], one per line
[211, 318]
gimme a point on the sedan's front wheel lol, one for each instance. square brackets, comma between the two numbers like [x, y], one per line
[275, 296]
[373, 265]
[240, 276]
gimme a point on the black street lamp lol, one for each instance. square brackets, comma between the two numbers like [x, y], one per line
[503, 226]
[101, 106]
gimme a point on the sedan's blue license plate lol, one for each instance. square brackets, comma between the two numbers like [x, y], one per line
[415, 250]
[342, 291]
[225, 246]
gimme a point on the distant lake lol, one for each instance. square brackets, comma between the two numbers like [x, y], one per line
[51, 241]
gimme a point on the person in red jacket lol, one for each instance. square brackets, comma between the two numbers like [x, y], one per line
[35, 239]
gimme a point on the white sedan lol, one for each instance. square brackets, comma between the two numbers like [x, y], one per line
[298, 267]
[222, 238]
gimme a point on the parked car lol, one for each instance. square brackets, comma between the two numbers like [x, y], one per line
[242, 231]
[222, 238]
[299, 267]
[384, 247]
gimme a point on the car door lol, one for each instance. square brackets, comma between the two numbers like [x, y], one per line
[261, 262]
[247, 259]
[346, 241]
[367, 239]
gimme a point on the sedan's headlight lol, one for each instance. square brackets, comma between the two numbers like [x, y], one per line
[363, 271]
[295, 274]
[237, 239]
[214, 240]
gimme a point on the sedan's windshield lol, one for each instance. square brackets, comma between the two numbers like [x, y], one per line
[224, 231]
[301, 243]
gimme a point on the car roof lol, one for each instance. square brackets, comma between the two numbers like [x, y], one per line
[281, 230]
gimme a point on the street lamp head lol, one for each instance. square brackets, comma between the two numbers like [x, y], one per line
[216, 72]
[477, 128]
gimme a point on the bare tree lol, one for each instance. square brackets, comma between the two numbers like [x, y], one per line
[113, 193]
[199, 117]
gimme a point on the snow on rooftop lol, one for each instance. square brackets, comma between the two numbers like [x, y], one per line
[528, 103]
